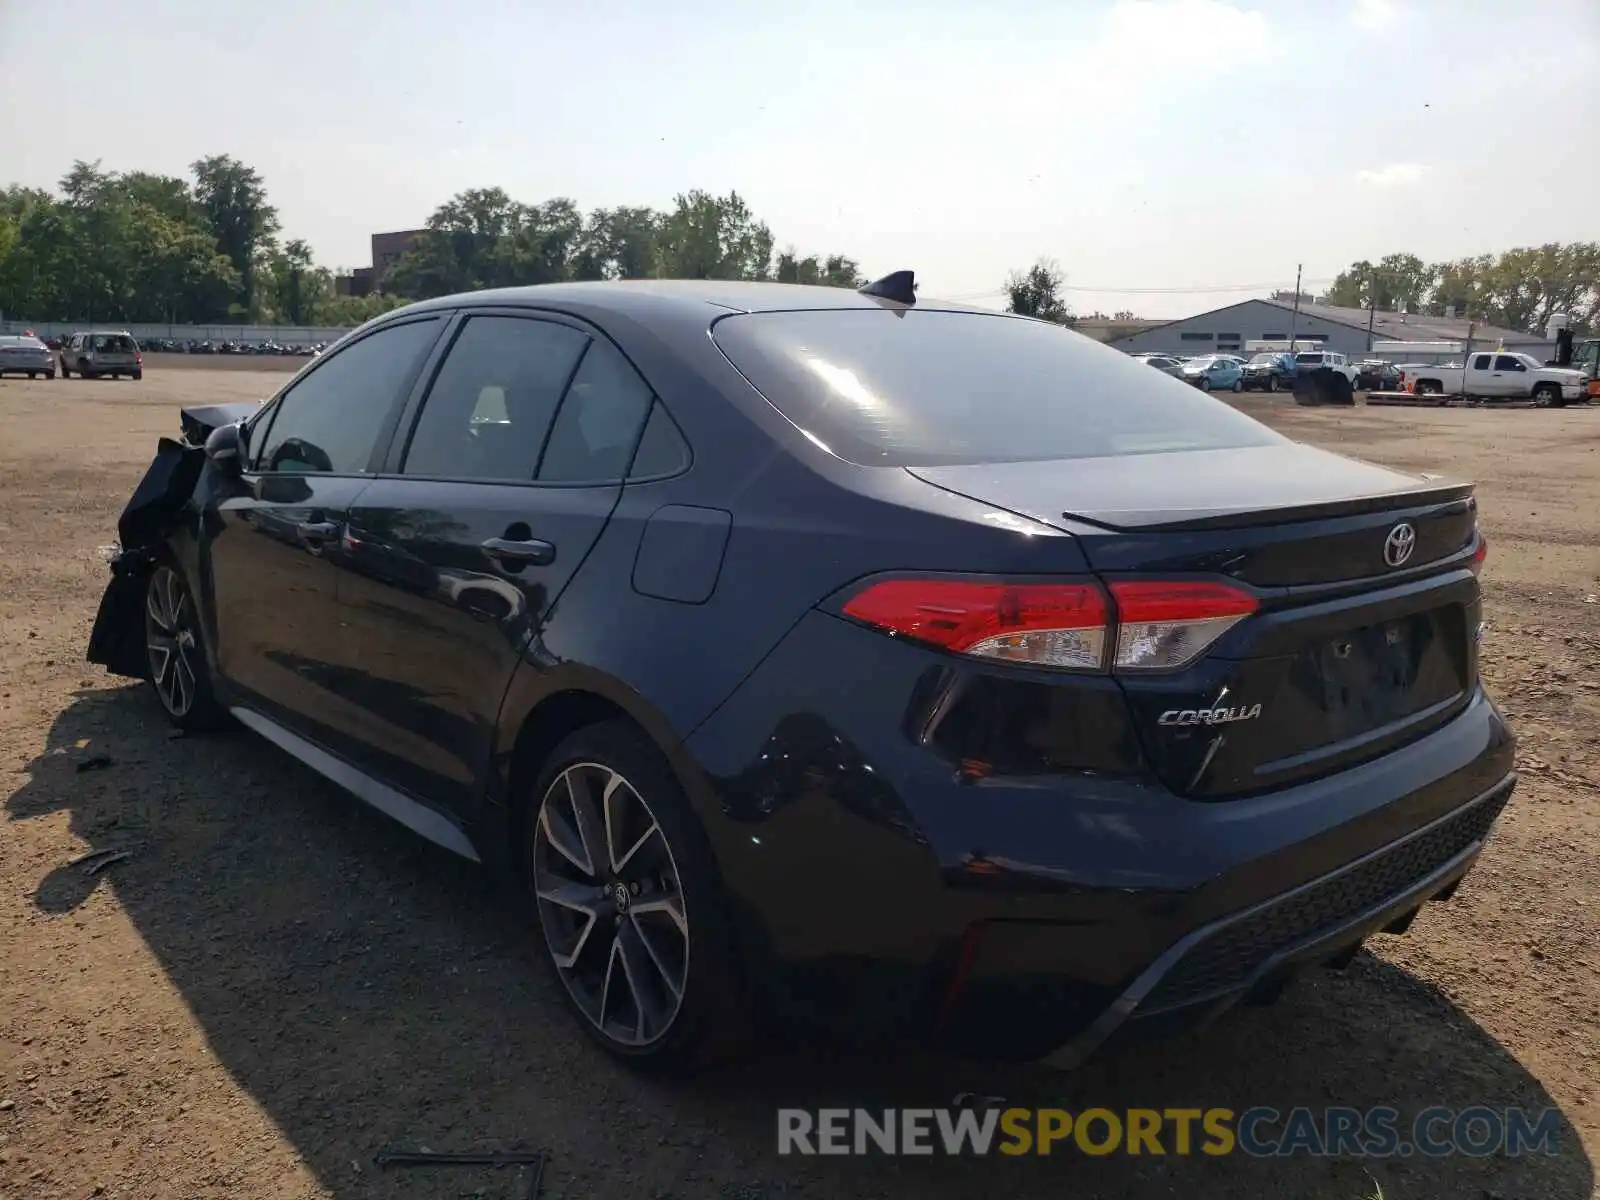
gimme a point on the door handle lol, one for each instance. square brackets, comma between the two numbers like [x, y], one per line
[519, 551]
[317, 531]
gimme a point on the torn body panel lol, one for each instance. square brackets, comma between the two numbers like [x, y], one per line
[151, 514]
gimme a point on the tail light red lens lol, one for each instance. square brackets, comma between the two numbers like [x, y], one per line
[1154, 625]
[1481, 553]
[1061, 625]
[1163, 624]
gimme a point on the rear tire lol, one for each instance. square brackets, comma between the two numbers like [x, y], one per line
[66, 371]
[629, 903]
[1426, 387]
[175, 653]
[136, 376]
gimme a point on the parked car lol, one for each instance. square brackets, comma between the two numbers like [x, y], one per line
[1213, 372]
[1308, 362]
[1270, 371]
[1165, 363]
[1075, 705]
[1501, 376]
[26, 356]
[1376, 376]
[92, 355]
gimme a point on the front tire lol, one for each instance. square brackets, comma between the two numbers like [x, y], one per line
[1547, 395]
[1205, 384]
[175, 655]
[629, 903]
[1238, 385]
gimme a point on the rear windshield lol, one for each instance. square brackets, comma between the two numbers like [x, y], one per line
[927, 388]
[1308, 358]
[119, 343]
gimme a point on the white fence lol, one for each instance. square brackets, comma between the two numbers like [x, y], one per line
[285, 335]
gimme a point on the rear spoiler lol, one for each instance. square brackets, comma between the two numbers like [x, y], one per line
[1443, 493]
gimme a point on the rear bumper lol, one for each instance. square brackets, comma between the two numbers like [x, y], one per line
[1212, 968]
[1025, 916]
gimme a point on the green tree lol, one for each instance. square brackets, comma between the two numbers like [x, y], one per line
[1394, 282]
[618, 243]
[833, 271]
[234, 200]
[1036, 292]
[1524, 287]
[712, 237]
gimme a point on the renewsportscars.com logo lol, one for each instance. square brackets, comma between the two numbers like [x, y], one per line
[1259, 1132]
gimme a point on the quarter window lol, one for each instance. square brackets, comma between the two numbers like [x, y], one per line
[330, 421]
[490, 407]
[662, 450]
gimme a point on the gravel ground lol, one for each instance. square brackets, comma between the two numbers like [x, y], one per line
[279, 982]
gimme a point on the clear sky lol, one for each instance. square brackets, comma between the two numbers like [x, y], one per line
[1177, 144]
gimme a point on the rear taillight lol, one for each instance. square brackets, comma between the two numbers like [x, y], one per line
[138, 358]
[1163, 623]
[1146, 625]
[1061, 625]
[1481, 553]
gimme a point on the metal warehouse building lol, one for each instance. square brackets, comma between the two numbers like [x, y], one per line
[1348, 330]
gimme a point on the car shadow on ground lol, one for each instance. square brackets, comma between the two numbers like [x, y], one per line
[367, 990]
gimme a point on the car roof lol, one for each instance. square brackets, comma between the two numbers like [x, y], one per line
[679, 297]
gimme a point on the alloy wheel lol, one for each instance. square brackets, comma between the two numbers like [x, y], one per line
[611, 904]
[170, 641]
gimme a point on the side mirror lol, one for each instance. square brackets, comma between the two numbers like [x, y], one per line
[225, 448]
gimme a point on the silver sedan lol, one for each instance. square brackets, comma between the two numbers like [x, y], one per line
[26, 356]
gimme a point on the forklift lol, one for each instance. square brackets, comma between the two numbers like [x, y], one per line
[1586, 358]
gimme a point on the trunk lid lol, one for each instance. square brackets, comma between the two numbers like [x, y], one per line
[1365, 638]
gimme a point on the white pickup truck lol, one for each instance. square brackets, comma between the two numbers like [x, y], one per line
[1499, 375]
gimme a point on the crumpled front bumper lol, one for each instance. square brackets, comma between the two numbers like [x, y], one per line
[117, 640]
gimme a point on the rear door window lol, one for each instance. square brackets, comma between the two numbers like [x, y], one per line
[1480, 363]
[489, 411]
[1504, 362]
[883, 387]
[594, 435]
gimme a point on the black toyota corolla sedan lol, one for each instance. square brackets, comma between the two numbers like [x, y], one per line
[832, 655]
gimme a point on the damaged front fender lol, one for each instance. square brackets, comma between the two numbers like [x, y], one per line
[117, 640]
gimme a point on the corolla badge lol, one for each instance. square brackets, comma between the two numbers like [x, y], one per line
[1209, 716]
[1397, 547]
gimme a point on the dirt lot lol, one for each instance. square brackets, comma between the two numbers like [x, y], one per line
[279, 982]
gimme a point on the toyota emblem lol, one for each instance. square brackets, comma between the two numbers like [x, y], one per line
[1397, 547]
